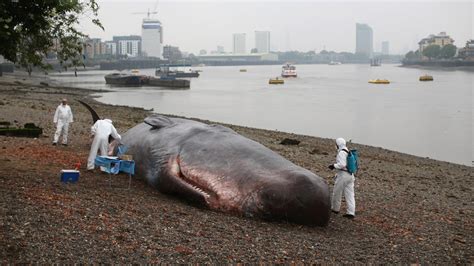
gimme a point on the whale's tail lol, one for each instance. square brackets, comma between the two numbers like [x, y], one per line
[94, 114]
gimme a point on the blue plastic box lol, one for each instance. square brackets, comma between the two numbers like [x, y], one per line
[69, 176]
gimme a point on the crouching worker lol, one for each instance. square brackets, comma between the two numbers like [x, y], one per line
[101, 131]
[344, 181]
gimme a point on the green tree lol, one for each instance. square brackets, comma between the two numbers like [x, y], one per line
[410, 55]
[413, 55]
[31, 29]
[432, 51]
[448, 51]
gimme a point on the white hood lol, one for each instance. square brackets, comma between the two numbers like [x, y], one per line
[341, 143]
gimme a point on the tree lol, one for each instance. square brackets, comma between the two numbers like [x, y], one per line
[31, 29]
[172, 53]
[412, 55]
[431, 51]
[254, 51]
[448, 51]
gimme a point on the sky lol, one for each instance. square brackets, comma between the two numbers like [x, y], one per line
[301, 25]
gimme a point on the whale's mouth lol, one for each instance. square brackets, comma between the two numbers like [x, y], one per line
[190, 180]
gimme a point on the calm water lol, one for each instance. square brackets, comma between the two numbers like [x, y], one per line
[429, 119]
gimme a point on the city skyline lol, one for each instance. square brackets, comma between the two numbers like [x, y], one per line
[303, 26]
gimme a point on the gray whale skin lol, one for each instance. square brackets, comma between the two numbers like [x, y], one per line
[215, 167]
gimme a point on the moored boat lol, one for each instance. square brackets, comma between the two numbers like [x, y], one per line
[123, 79]
[375, 62]
[426, 78]
[379, 81]
[169, 82]
[288, 71]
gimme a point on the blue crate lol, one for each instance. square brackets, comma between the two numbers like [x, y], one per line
[71, 176]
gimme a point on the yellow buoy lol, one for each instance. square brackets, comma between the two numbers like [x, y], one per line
[276, 81]
[379, 81]
[426, 78]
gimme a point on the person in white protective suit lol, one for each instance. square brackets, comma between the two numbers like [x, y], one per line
[62, 118]
[101, 131]
[344, 181]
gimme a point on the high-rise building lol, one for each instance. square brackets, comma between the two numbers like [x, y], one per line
[385, 48]
[128, 45]
[111, 47]
[262, 41]
[172, 53]
[364, 40]
[152, 38]
[94, 48]
[239, 43]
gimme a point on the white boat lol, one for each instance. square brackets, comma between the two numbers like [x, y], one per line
[288, 71]
[335, 63]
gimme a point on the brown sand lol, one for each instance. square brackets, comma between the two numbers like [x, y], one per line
[409, 209]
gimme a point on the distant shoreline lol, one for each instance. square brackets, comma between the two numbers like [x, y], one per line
[440, 64]
[438, 67]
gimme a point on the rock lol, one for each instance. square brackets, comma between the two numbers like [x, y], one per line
[317, 151]
[288, 141]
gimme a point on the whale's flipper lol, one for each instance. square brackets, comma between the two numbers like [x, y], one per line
[94, 114]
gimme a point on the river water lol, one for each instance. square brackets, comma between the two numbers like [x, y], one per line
[428, 119]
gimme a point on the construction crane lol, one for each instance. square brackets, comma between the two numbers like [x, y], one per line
[148, 13]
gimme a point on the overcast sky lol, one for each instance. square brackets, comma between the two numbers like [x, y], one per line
[294, 25]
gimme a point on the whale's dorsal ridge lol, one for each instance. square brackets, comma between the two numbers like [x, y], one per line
[158, 121]
[223, 128]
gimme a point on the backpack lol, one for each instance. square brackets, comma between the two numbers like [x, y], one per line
[352, 161]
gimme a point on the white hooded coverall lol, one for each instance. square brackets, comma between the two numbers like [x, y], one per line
[62, 118]
[101, 131]
[344, 181]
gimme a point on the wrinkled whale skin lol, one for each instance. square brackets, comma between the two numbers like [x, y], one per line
[217, 168]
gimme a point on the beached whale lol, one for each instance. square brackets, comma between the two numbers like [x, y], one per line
[215, 167]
